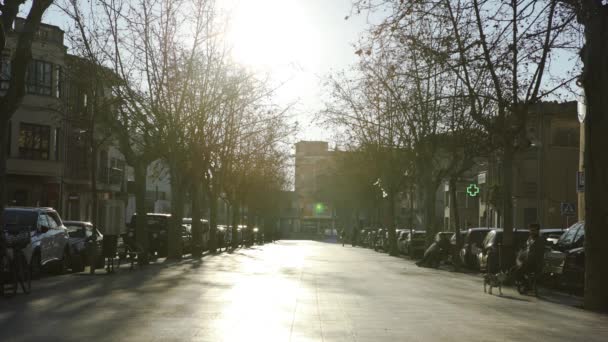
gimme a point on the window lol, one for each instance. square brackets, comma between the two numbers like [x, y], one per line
[116, 171]
[5, 72]
[40, 78]
[42, 222]
[58, 139]
[52, 216]
[58, 81]
[34, 141]
[568, 237]
[566, 137]
[530, 189]
[88, 231]
[51, 220]
[75, 231]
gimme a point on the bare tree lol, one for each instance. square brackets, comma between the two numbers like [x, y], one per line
[501, 52]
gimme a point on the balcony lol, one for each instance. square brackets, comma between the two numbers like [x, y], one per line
[110, 178]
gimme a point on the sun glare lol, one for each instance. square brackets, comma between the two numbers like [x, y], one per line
[271, 34]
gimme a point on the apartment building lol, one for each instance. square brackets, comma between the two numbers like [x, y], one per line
[53, 141]
[35, 160]
[544, 172]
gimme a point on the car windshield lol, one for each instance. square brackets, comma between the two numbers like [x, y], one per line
[75, 231]
[477, 236]
[519, 238]
[568, 237]
[19, 219]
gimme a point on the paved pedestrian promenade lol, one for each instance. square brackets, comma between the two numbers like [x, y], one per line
[288, 291]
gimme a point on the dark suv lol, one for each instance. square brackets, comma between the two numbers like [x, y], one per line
[157, 227]
[48, 244]
[565, 260]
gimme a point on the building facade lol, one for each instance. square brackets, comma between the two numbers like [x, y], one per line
[35, 159]
[314, 163]
[544, 172]
[50, 155]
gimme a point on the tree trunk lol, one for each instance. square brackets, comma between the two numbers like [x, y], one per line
[141, 233]
[508, 249]
[455, 222]
[212, 222]
[392, 235]
[174, 248]
[197, 229]
[93, 174]
[4, 143]
[430, 196]
[595, 82]
[235, 224]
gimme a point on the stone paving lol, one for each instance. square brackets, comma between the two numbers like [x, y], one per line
[288, 291]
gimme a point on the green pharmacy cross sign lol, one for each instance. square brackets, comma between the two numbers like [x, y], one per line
[319, 208]
[473, 190]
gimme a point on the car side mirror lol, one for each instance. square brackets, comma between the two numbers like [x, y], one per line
[44, 229]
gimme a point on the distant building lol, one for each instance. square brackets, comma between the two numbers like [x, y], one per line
[314, 163]
[544, 172]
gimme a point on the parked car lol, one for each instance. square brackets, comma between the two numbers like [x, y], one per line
[573, 272]
[362, 237]
[443, 236]
[83, 238]
[453, 245]
[49, 238]
[415, 243]
[187, 234]
[385, 241]
[471, 246]
[157, 227]
[488, 257]
[568, 250]
[378, 239]
[551, 235]
[370, 237]
[223, 236]
[401, 237]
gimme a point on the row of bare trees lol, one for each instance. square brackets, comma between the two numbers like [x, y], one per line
[176, 95]
[441, 84]
[160, 79]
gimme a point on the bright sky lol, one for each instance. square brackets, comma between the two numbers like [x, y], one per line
[297, 42]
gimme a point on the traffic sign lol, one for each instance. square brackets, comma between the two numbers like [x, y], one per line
[580, 181]
[473, 190]
[567, 209]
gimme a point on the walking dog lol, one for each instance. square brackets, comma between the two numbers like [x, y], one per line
[494, 280]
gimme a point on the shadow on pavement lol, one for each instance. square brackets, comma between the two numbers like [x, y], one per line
[84, 305]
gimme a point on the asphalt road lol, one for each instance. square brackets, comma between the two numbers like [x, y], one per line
[288, 291]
